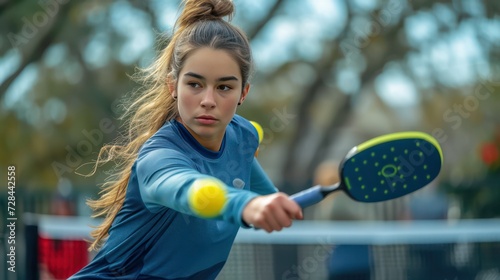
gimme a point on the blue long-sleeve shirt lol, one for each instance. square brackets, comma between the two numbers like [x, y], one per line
[156, 235]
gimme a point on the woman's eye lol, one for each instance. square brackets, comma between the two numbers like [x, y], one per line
[194, 85]
[224, 88]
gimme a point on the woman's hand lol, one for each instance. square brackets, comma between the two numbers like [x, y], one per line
[272, 212]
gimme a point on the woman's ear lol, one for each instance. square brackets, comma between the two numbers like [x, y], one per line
[244, 93]
[171, 87]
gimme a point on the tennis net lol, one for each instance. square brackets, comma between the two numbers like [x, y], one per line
[464, 249]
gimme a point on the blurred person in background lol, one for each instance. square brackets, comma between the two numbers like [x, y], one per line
[58, 258]
[347, 261]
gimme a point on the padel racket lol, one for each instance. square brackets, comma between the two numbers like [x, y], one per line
[383, 168]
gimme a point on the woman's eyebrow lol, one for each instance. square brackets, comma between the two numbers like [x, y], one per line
[221, 79]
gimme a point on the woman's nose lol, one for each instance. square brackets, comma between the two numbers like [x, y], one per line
[208, 100]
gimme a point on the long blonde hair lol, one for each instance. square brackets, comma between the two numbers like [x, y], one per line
[200, 24]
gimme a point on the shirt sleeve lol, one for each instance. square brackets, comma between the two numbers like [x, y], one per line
[259, 181]
[165, 176]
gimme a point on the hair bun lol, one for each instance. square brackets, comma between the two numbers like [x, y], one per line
[197, 10]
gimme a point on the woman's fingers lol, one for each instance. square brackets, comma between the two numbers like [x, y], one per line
[272, 212]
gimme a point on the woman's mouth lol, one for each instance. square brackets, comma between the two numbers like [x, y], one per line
[206, 119]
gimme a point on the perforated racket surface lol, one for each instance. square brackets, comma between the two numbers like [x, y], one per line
[383, 168]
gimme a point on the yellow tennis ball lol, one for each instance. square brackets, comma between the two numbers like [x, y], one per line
[207, 197]
[259, 129]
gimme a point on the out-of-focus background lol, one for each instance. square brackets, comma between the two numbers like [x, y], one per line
[330, 74]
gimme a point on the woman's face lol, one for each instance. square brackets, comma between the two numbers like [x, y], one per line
[208, 91]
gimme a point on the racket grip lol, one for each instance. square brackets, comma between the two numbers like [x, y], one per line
[308, 197]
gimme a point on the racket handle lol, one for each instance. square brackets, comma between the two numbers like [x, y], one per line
[308, 197]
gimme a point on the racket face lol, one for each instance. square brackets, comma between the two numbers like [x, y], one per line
[391, 166]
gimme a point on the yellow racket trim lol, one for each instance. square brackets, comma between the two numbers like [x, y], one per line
[398, 136]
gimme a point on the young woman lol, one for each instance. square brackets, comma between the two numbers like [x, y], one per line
[187, 178]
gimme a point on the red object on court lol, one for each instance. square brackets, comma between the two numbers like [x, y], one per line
[61, 258]
[489, 153]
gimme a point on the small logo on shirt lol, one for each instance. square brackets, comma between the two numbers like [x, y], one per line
[238, 183]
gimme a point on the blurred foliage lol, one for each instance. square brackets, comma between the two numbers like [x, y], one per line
[479, 198]
[330, 74]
